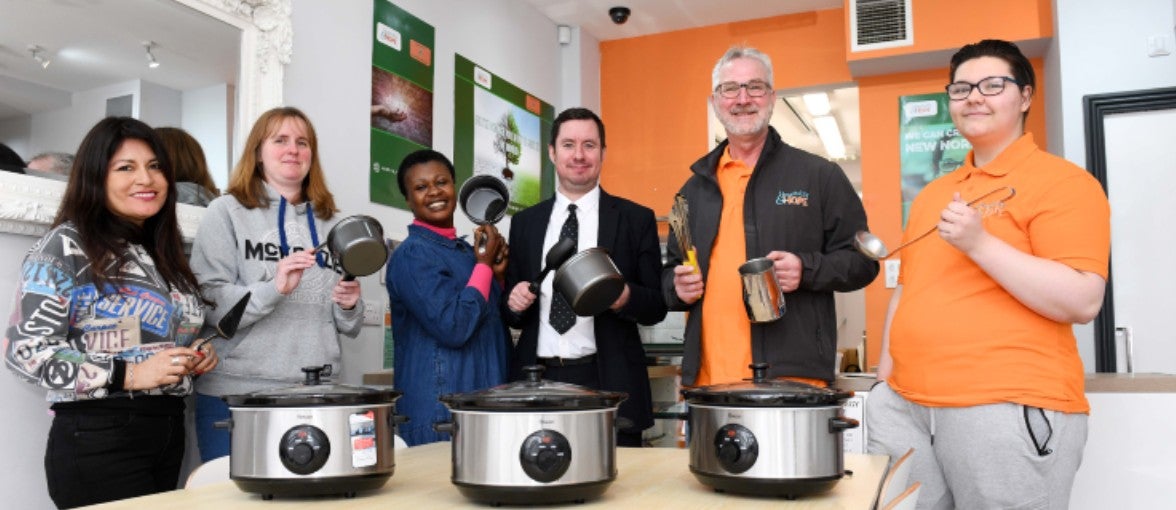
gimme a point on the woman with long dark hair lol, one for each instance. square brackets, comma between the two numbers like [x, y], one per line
[107, 304]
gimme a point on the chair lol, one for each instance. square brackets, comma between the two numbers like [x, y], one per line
[905, 500]
[896, 479]
[213, 471]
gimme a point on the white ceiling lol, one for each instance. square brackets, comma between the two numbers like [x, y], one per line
[93, 43]
[657, 16]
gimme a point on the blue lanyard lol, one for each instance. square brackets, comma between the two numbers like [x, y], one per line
[284, 247]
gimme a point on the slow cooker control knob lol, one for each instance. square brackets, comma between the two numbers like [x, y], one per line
[545, 455]
[736, 447]
[304, 449]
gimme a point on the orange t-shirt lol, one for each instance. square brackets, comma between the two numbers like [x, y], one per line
[726, 330]
[958, 338]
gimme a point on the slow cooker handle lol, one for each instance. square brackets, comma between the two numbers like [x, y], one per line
[223, 424]
[841, 424]
[446, 427]
[622, 423]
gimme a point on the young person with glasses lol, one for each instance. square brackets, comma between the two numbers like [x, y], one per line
[755, 196]
[980, 365]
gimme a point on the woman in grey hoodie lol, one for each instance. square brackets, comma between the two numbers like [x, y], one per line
[260, 237]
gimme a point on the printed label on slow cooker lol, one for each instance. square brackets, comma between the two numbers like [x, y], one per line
[363, 439]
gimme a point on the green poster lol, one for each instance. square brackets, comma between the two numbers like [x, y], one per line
[502, 131]
[929, 143]
[402, 96]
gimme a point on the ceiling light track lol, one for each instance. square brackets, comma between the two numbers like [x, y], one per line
[38, 54]
[151, 61]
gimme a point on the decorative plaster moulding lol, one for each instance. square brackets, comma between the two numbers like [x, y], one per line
[28, 204]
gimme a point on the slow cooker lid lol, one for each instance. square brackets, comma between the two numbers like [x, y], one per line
[760, 391]
[313, 393]
[534, 394]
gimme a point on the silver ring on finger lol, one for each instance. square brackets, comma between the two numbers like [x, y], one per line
[176, 361]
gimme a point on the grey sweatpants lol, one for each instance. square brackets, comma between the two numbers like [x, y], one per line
[980, 457]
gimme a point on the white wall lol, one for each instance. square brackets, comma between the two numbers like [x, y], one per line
[62, 130]
[26, 414]
[157, 105]
[207, 115]
[332, 84]
[1100, 47]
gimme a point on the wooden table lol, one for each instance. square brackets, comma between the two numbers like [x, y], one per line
[647, 478]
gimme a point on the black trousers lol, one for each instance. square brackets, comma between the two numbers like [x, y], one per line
[587, 376]
[99, 456]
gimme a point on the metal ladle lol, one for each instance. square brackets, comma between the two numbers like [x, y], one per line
[871, 246]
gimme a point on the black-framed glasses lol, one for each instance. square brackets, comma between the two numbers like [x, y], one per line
[755, 88]
[989, 86]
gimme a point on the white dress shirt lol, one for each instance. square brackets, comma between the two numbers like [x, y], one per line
[579, 341]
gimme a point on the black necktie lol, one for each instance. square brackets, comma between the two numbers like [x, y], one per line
[562, 317]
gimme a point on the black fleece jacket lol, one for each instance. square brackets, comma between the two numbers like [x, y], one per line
[795, 202]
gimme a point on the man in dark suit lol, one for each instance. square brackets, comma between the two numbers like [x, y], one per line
[603, 351]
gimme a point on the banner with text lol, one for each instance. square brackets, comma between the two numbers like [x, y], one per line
[502, 131]
[929, 143]
[402, 96]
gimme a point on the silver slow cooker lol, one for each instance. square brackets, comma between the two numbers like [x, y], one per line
[767, 437]
[312, 439]
[533, 441]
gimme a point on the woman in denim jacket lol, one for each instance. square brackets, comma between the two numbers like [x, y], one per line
[444, 297]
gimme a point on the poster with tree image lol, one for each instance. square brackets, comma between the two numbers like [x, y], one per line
[501, 130]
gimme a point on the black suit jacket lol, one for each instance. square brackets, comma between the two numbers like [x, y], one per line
[629, 232]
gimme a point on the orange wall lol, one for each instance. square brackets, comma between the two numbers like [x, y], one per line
[654, 92]
[940, 25]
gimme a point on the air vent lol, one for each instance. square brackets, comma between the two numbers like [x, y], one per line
[876, 24]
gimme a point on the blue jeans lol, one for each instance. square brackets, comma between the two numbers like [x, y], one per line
[213, 442]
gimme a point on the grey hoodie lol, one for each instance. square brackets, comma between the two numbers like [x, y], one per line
[237, 251]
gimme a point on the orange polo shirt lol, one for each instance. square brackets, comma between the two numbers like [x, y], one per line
[958, 338]
[726, 330]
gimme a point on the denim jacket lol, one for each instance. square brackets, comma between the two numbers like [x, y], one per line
[447, 337]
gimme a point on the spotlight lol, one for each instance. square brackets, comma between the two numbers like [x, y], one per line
[151, 62]
[37, 53]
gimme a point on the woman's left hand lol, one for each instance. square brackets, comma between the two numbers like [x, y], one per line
[346, 294]
[206, 359]
[500, 259]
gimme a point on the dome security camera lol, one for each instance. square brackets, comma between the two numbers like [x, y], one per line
[619, 15]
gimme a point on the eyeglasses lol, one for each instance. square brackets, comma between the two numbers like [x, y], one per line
[755, 88]
[989, 86]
